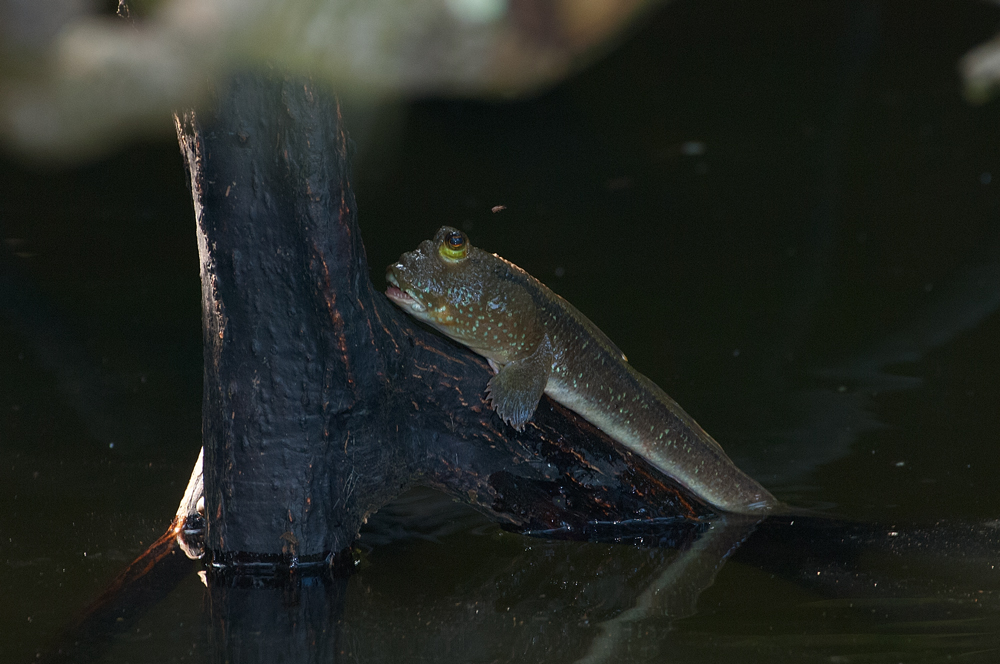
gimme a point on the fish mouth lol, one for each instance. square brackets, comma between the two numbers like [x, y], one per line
[405, 298]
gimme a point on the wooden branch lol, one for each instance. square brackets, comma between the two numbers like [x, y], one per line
[322, 400]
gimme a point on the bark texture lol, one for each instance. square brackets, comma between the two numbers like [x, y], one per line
[322, 400]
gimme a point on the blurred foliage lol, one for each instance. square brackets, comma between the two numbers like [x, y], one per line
[981, 70]
[75, 81]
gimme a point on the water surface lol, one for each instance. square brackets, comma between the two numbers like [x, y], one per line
[787, 217]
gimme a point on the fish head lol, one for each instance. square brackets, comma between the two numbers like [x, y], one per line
[462, 291]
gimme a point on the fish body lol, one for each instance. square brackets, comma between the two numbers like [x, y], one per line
[537, 342]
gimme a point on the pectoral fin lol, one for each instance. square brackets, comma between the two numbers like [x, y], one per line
[518, 386]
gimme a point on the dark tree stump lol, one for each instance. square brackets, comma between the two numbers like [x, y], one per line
[322, 400]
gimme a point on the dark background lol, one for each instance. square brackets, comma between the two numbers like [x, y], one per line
[784, 213]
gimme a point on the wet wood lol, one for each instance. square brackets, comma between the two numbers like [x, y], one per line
[322, 400]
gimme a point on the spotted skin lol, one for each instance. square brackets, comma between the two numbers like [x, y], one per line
[539, 343]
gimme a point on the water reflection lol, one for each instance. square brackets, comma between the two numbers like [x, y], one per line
[101, 344]
[798, 588]
[675, 591]
[515, 599]
[291, 621]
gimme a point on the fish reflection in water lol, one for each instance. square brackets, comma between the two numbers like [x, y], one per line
[520, 598]
[487, 595]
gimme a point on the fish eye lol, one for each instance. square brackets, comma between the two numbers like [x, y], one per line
[454, 246]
